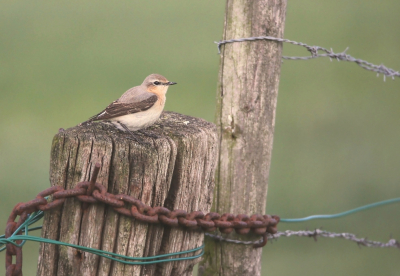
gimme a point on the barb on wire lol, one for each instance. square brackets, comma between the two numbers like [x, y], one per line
[314, 234]
[347, 236]
[314, 50]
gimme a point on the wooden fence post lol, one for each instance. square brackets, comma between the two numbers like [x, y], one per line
[247, 96]
[176, 171]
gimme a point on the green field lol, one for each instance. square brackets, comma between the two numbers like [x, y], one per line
[336, 143]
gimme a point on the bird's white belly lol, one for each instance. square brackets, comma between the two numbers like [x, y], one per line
[138, 120]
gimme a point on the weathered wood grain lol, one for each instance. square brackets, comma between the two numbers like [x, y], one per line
[246, 104]
[175, 170]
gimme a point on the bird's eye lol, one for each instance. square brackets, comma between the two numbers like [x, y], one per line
[157, 83]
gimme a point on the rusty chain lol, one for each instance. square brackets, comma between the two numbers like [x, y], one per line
[90, 192]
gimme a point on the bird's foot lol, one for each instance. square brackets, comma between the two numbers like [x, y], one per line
[132, 135]
[149, 134]
[138, 140]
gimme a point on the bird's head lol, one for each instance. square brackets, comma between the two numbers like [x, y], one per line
[157, 84]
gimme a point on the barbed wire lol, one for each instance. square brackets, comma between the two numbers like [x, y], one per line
[314, 50]
[314, 234]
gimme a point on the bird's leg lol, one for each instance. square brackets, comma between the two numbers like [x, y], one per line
[135, 138]
[149, 134]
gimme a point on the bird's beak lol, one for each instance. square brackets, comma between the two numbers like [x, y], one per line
[171, 83]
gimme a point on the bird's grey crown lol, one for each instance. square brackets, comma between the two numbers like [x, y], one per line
[154, 77]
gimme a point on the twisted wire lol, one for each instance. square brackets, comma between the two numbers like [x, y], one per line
[314, 50]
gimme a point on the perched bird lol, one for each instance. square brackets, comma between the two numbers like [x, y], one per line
[137, 108]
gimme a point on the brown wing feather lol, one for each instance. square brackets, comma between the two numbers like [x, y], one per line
[117, 109]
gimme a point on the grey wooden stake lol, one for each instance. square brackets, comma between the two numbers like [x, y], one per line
[176, 170]
[246, 102]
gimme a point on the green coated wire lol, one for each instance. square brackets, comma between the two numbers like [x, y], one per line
[338, 215]
[114, 256]
[34, 217]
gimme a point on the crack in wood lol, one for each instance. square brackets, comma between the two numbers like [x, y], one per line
[175, 170]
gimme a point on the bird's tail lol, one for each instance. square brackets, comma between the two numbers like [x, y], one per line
[91, 119]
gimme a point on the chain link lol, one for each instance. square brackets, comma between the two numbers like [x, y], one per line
[92, 192]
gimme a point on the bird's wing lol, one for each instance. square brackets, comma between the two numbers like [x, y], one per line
[116, 108]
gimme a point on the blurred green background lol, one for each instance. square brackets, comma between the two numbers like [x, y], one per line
[336, 143]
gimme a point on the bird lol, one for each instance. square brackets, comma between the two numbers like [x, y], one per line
[139, 107]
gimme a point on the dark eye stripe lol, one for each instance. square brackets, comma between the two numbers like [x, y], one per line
[156, 83]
